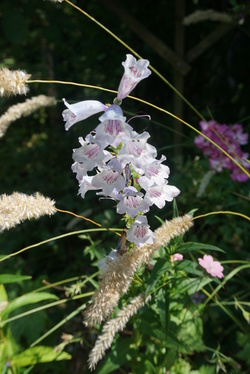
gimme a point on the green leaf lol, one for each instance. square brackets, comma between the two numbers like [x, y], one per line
[192, 285]
[117, 357]
[188, 266]
[192, 246]
[30, 298]
[3, 293]
[160, 268]
[12, 278]
[37, 355]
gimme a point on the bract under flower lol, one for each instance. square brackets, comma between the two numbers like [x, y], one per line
[134, 72]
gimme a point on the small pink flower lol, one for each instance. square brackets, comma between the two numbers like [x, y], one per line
[177, 257]
[212, 267]
[134, 72]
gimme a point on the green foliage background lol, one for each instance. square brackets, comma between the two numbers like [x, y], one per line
[54, 41]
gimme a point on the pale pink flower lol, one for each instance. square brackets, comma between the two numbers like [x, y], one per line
[212, 267]
[134, 72]
[177, 257]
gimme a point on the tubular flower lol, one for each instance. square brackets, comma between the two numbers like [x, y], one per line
[80, 111]
[134, 72]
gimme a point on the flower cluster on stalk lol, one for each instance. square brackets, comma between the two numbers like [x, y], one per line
[118, 162]
[230, 139]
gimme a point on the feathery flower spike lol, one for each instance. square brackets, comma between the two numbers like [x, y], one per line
[114, 325]
[13, 82]
[18, 207]
[23, 110]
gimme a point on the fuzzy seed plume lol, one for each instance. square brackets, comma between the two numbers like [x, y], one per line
[13, 82]
[204, 15]
[18, 207]
[116, 279]
[114, 325]
[23, 110]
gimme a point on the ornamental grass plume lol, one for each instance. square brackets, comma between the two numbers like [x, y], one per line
[114, 325]
[13, 82]
[18, 207]
[23, 110]
[207, 15]
[117, 275]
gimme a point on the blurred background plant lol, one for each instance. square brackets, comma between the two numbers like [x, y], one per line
[206, 58]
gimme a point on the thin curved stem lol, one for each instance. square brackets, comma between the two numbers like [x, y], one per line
[222, 212]
[137, 55]
[57, 238]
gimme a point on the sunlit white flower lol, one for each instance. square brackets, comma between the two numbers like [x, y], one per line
[86, 185]
[140, 233]
[108, 180]
[89, 153]
[156, 172]
[132, 202]
[113, 129]
[80, 111]
[134, 72]
[158, 195]
[79, 169]
[137, 152]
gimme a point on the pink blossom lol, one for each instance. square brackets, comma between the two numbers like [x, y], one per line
[212, 267]
[177, 257]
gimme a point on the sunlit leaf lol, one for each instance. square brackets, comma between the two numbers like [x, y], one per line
[12, 278]
[37, 355]
[30, 298]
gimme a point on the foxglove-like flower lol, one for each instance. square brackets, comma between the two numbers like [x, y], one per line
[158, 195]
[140, 233]
[80, 111]
[134, 72]
[212, 267]
[132, 202]
[113, 128]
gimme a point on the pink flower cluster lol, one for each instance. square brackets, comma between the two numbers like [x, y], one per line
[230, 139]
